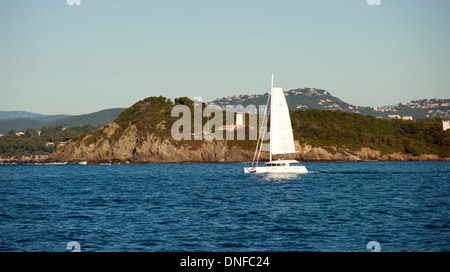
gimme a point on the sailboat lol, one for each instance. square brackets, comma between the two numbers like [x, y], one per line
[281, 138]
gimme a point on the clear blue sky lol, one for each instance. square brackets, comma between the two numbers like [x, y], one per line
[56, 58]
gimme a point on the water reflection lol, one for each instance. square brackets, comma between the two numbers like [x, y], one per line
[280, 176]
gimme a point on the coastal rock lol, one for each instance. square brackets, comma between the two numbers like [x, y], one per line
[149, 149]
[309, 153]
[129, 147]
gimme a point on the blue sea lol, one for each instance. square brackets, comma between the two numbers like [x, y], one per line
[401, 206]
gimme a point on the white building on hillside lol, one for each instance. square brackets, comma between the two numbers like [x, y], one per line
[445, 125]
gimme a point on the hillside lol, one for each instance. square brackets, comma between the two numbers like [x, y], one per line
[33, 144]
[102, 117]
[37, 121]
[310, 98]
[18, 115]
[337, 130]
[20, 125]
[142, 134]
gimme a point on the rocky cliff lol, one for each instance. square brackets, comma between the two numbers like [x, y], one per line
[309, 153]
[148, 148]
[153, 149]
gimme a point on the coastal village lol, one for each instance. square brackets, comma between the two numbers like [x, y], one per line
[38, 132]
[311, 98]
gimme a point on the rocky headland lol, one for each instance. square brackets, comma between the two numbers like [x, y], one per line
[141, 134]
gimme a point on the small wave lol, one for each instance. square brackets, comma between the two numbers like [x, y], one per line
[363, 172]
[5, 216]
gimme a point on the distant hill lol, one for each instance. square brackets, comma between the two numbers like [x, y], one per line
[18, 115]
[311, 98]
[102, 117]
[50, 118]
[20, 125]
[21, 120]
[10, 120]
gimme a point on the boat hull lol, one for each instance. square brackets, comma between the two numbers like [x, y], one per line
[299, 169]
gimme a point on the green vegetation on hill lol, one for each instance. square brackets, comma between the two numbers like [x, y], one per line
[354, 131]
[150, 116]
[147, 114]
[31, 143]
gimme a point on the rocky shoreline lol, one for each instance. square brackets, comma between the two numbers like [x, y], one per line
[111, 144]
[163, 151]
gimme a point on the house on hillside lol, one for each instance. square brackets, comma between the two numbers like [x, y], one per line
[62, 144]
[445, 125]
[227, 127]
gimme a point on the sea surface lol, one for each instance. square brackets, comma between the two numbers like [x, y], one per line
[401, 206]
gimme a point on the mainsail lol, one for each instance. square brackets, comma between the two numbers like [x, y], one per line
[281, 135]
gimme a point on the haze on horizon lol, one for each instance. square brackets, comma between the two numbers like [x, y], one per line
[56, 58]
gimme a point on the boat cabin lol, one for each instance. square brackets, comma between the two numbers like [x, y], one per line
[283, 163]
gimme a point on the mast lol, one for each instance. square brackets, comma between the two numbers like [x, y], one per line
[271, 85]
[263, 130]
[270, 140]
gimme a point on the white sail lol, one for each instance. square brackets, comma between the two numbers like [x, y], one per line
[281, 135]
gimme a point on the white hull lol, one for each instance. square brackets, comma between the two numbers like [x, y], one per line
[299, 169]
